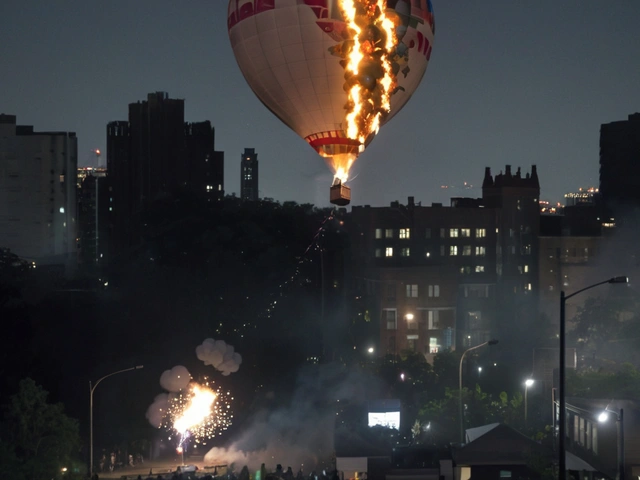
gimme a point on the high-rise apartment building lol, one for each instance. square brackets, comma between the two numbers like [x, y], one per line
[93, 217]
[620, 163]
[155, 155]
[249, 175]
[206, 165]
[38, 193]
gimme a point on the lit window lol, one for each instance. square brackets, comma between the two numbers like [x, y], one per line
[388, 233]
[465, 270]
[528, 286]
[412, 291]
[405, 252]
[453, 232]
[405, 233]
[388, 252]
[433, 345]
[391, 318]
[526, 269]
[219, 187]
[433, 319]
[378, 233]
[453, 250]
[434, 290]
[61, 209]
[466, 250]
[481, 251]
[481, 232]
[465, 232]
[479, 268]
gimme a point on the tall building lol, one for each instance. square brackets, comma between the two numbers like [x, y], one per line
[93, 217]
[206, 165]
[442, 277]
[38, 193]
[156, 155]
[249, 175]
[620, 163]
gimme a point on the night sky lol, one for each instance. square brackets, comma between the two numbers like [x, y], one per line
[509, 82]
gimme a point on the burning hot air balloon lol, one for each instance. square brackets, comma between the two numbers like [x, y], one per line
[334, 71]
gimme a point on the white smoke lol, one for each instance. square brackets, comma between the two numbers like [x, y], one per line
[175, 379]
[302, 432]
[157, 410]
[219, 355]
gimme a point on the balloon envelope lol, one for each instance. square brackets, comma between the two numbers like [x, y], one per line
[290, 53]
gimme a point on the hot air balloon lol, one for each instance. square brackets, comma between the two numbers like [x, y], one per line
[334, 71]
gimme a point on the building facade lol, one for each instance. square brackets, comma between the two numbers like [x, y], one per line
[619, 165]
[249, 175]
[155, 155]
[38, 217]
[451, 277]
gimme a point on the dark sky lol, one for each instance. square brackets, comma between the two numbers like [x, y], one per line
[509, 82]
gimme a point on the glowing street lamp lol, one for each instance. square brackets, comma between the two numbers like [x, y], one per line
[527, 383]
[91, 390]
[490, 342]
[604, 417]
[370, 350]
[562, 402]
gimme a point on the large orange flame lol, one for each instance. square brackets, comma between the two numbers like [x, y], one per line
[368, 73]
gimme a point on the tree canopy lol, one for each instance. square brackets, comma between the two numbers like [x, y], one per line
[37, 439]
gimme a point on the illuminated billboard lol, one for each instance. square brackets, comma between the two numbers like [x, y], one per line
[385, 413]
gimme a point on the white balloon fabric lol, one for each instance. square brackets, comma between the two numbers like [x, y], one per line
[289, 52]
[219, 355]
[175, 379]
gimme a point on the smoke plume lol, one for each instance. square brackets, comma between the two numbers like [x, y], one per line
[219, 355]
[175, 379]
[302, 431]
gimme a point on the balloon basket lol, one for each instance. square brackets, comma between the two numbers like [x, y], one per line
[340, 195]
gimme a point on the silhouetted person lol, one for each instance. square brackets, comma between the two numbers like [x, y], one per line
[288, 475]
[279, 472]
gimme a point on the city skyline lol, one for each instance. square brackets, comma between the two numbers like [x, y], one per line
[507, 84]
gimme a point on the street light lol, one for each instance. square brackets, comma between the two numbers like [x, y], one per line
[603, 417]
[527, 383]
[91, 390]
[562, 403]
[490, 342]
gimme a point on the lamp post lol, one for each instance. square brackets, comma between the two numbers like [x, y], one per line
[91, 390]
[603, 417]
[562, 403]
[490, 342]
[527, 383]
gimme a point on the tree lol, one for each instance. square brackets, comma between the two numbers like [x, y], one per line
[37, 438]
[605, 330]
[481, 408]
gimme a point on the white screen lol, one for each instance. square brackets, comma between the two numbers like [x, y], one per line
[385, 419]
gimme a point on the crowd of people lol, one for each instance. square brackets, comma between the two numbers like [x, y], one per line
[278, 474]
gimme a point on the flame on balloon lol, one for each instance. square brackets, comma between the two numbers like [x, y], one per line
[369, 76]
[341, 164]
